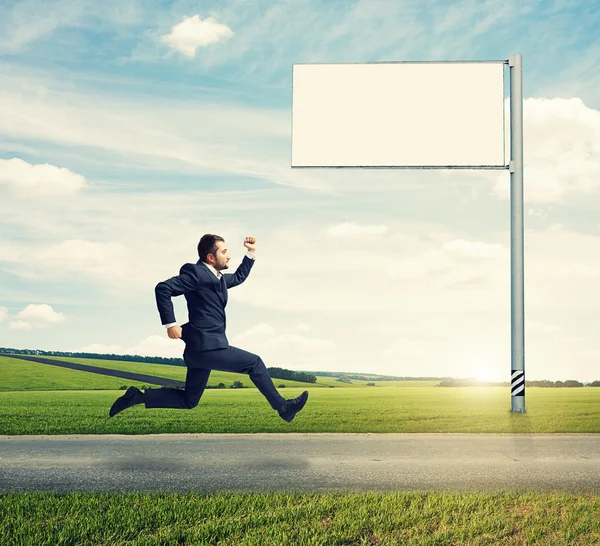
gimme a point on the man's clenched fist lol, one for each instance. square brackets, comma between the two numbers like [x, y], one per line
[174, 332]
[250, 243]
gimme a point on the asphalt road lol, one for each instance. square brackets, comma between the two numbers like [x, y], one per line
[300, 462]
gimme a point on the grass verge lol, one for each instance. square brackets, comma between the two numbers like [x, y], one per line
[241, 519]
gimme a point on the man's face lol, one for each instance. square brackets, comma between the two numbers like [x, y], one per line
[222, 258]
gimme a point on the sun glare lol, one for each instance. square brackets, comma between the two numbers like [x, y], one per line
[482, 375]
[485, 368]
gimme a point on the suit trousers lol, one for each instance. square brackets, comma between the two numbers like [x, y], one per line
[199, 365]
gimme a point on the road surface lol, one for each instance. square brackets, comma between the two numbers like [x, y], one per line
[300, 462]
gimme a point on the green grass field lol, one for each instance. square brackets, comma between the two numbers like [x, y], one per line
[294, 519]
[405, 407]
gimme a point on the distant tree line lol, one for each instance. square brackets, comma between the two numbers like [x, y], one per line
[281, 373]
[275, 373]
[371, 377]
[128, 358]
[469, 382]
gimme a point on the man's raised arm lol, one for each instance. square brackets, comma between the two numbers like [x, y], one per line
[241, 273]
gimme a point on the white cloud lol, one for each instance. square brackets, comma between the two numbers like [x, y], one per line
[37, 316]
[354, 229]
[107, 262]
[462, 249]
[427, 267]
[24, 179]
[98, 348]
[452, 264]
[27, 21]
[403, 347]
[41, 314]
[19, 325]
[194, 32]
[561, 149]
[543, 327]
[3, 313]
[279, 348]
[30, 20]
[539, 212]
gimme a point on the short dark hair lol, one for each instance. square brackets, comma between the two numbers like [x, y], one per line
[208, 245]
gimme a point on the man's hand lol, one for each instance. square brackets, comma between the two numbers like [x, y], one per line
[250, 243]
[174, 332]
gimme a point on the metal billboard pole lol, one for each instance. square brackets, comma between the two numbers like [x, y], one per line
[517, 335]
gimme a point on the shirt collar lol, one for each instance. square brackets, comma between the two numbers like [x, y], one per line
[217, 273]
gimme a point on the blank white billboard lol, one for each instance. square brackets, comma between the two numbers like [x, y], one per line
[405, 114]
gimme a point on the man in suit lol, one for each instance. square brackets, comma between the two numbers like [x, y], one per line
[206, 346]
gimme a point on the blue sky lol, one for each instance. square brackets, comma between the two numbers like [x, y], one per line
[129, 129]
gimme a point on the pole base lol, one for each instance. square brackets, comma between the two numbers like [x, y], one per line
[518, 404]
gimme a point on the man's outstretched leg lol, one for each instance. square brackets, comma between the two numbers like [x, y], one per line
[237, 360]
[259, 375]
[188, 398]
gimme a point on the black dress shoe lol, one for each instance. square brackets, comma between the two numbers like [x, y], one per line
[132, 397]
[293, 407]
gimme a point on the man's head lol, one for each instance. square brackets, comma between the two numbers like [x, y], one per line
[212, 250]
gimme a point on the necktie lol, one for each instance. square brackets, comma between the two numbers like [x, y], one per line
[223, 286]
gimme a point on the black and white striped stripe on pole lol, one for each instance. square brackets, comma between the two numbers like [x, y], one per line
[517, 383]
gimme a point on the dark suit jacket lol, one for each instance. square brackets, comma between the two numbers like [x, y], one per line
[206, 300]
